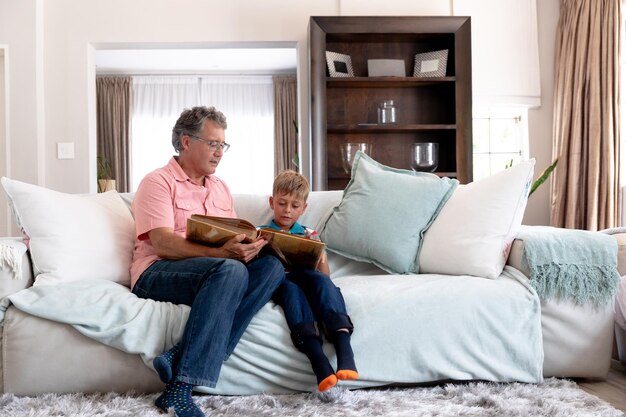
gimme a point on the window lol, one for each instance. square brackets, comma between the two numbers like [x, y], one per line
[500, 136]
[247, 102]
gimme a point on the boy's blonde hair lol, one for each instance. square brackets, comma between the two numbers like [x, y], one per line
[289, 182]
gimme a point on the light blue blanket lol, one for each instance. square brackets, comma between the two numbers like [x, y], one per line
[108, 312]
[408, 329]
[576, 265]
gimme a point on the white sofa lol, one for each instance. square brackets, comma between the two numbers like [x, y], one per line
[409, 329]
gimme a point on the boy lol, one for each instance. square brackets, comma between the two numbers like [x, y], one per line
[308, 296]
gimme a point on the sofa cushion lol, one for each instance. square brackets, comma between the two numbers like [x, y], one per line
[383, 214]
[73, 237]
[43, 356]
[474, 232]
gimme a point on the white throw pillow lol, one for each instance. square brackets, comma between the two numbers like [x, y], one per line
[474, 231]
[74, 237]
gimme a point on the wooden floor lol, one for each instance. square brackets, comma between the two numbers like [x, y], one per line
[611, 390]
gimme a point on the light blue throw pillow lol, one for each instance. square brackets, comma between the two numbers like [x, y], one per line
[384, 213]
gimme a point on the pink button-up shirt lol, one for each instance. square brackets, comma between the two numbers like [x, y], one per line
[167, 198]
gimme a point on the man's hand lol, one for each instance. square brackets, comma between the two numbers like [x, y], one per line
[172, 246]
[244, 252]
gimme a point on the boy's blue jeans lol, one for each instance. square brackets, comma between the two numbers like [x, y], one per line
[224, 295]
[309, 297]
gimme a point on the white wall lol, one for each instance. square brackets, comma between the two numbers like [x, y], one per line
[394, 7]
[21, 37]
[69, 53]
[4, 210]
[19, 32]
[51, 71]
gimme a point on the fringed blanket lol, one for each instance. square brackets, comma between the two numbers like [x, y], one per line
[11, 254]
[577, 265]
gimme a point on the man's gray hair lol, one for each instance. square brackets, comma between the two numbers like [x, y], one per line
[191, 121]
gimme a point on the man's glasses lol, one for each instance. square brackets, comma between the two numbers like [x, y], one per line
[212, 144]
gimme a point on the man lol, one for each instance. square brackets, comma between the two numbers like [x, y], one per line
[225, 286]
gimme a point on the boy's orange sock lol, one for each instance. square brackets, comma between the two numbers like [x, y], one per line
[327, 383]
[346, 368]
[347, 374]
[326, 378]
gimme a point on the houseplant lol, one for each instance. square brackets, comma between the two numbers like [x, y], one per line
[105, 175]
[542, 178]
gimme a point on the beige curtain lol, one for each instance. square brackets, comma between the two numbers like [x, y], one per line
[114, 95]
[585, 190]
[285, 115]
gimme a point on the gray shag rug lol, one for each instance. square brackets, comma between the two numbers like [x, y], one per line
[553, 398]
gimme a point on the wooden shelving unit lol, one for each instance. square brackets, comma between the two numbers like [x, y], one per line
[433, 109]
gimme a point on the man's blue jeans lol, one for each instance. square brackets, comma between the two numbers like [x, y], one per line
[224, 295]
[309, 297]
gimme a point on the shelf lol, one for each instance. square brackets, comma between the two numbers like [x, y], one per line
[385, 82]
[445, 174]
[388, 128]
[437, 173]
[340, 182]
[430, 109]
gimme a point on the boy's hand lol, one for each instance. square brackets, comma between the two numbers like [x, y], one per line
[322, 264]
[245, 252]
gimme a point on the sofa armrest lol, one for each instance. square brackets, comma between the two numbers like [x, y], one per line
[515, 257]
[517, 249]
[16, 272]
[621, 253]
